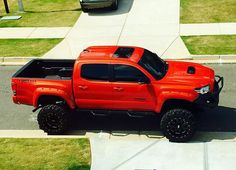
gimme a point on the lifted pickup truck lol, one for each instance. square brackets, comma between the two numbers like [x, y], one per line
[115, 79]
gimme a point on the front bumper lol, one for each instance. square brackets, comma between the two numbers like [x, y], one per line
[211, 99]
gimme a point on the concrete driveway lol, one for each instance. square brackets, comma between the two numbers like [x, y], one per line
[151, 24]
[133, 153]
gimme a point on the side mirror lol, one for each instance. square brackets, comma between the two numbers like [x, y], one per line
[143, 80]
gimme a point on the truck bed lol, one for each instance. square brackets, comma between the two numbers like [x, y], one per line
[47, 69]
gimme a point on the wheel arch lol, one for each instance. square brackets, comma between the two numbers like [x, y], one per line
[177, 103]
[46, 99]
[51, 95]
[49, 99]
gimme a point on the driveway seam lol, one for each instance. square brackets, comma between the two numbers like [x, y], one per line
[205, 157]
[122, 29]
[220, 31]
[68, 32]
[136, 154]
[31, 32]
[170, 45]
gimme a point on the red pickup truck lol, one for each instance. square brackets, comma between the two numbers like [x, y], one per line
[117, 79]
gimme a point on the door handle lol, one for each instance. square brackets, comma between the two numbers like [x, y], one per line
[118, 88]
[83, 87]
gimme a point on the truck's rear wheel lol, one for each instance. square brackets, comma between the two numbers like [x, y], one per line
[53, 119]
[178, 125]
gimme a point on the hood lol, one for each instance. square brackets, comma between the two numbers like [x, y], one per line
[191, 74]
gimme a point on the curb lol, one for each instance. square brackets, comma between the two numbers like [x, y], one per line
[124, 135]
[15, 61]
[214, 59]
[203, 59]
[35, 134]
[211, 59]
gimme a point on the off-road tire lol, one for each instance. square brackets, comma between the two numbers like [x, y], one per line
[178, 125]
[114, 6]
[53, 119]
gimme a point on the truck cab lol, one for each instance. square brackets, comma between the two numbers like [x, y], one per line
[111, 79]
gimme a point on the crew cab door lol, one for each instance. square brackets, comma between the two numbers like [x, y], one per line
[132, 89]
[92, 89]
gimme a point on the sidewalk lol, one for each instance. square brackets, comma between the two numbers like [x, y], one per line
[208, 29]
[34, 32]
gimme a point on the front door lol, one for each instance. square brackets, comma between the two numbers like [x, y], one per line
[131, 89]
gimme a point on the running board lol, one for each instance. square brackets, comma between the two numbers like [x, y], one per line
[134, 114]
[99, 113]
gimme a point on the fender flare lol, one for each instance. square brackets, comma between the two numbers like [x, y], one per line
[53, 92]
[165, 96]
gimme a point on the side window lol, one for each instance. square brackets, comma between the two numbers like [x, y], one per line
[125, 73]
[95, 72]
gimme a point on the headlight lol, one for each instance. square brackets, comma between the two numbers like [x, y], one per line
[203, 90]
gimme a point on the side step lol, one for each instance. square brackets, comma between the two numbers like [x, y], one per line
[134, 114]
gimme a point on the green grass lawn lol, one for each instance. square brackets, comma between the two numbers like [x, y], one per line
[42, 13]
[45, 154]
[207, 11]
[26, 47]
[215, 44]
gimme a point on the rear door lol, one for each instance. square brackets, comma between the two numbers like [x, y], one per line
[93, 89]
[131, 89]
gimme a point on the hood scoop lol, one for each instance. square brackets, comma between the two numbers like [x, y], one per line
[191, 70]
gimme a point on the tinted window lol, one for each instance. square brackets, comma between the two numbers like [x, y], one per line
[95, 71]
[127, 73]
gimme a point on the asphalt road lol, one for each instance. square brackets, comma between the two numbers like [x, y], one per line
[20, 117]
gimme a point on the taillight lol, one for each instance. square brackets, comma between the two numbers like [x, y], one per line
[13, 86]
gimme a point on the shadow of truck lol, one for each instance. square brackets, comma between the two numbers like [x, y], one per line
[220, 119]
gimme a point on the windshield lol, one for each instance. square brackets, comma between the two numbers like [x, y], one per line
[153, 64]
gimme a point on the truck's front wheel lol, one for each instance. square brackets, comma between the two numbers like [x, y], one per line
[178, 125]
[53, 119]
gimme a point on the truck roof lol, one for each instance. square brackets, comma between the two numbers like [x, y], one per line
[112, 53]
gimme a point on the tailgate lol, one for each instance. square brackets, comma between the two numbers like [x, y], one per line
[23, 89]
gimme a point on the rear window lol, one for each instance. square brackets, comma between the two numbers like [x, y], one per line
[95, 72]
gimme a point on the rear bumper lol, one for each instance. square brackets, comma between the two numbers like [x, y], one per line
[211, 99]
[14, 98]
[96, 4]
